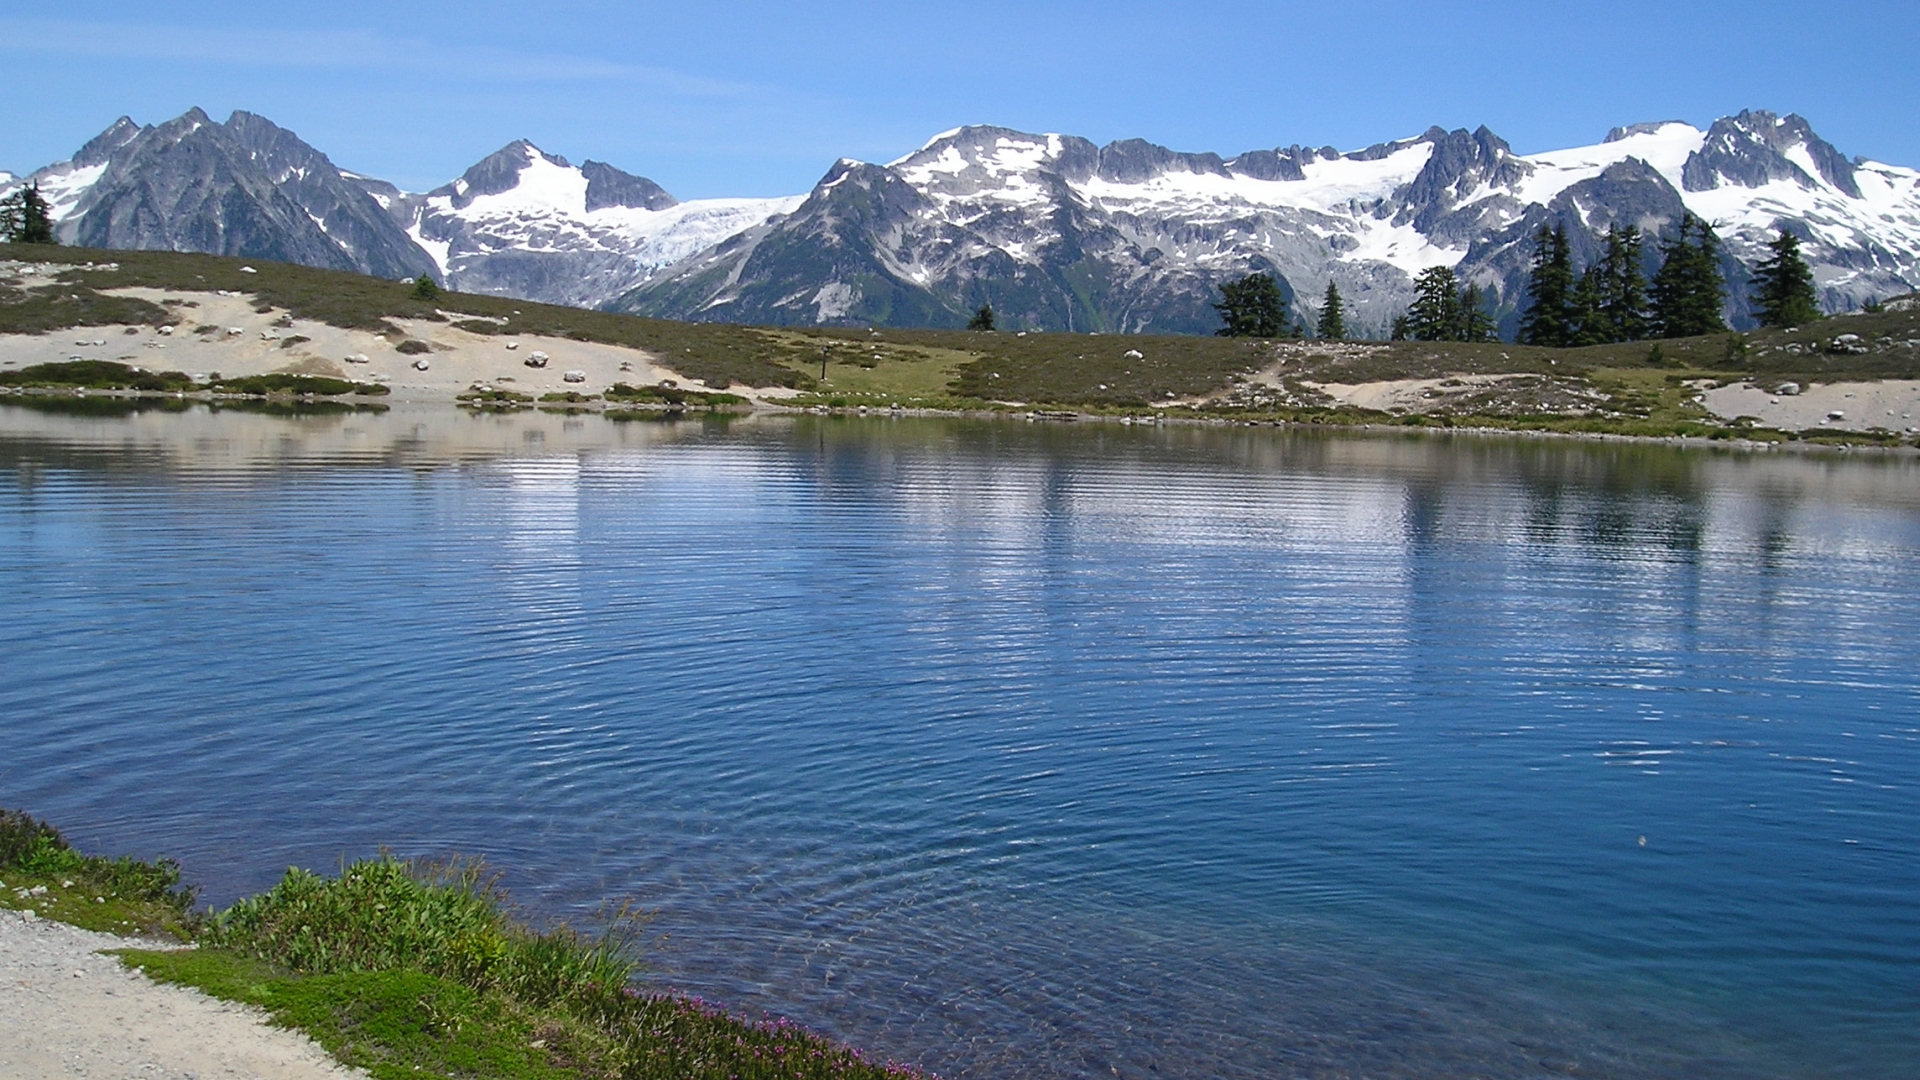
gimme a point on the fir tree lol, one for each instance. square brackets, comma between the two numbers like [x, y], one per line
[982, 319]
[1402, 328]
[1550, 286]
[425, 289]
[1783, 292]
[1586, 325]
[1253, 307]
[25, 217]
[1623, 303]
[1435, 313]
[1689, 294]
[1476, 322]
[1333, 315]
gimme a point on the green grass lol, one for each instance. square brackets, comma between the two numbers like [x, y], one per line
[397, 1025]
[43, 873]
[413, 969]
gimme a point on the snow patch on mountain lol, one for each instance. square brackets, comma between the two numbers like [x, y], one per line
[64, 185]
[1666, 147]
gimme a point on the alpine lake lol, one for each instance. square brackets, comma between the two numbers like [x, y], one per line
[1030, 749]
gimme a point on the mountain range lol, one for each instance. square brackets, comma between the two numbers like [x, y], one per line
[1053, 231]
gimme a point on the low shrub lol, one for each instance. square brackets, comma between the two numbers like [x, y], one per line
[283, 383]
[96, 375]
[663, 394]
[89, 890]
[412, 347]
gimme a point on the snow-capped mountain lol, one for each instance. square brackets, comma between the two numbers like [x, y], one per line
[1057, 233]
[519, 223]
[245, 187]
[1052, 230]
[526, 223]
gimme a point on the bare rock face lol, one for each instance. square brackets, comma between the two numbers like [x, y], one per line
[246, 187]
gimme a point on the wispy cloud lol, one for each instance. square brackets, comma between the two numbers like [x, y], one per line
[346, 50]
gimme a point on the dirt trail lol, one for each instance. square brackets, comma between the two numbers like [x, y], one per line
[66, 1011]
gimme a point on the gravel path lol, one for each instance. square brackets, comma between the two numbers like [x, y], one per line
[66, 1011]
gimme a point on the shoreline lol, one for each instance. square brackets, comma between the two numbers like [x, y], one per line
[1835, 442]
[389, 964]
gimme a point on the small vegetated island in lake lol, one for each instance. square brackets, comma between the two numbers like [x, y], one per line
[412, 969]
[1604, 348]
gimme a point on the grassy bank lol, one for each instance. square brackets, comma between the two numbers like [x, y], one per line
[413, 969]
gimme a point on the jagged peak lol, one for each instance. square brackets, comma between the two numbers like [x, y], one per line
[1755, 147]
[101, 146]
[497, 173]
[609, 186]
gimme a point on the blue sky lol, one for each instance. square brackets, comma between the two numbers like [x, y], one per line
[748, 97]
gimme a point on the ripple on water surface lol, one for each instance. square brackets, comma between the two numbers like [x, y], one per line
[1030, 750]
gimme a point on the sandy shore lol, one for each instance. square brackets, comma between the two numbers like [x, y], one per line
[68, 1012]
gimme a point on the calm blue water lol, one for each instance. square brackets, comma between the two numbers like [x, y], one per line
[1029, 750]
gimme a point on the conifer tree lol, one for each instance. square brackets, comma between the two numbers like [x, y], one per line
[1550, 286]
[1623, 304]
[1253, 307]
[1689, 293]
[1435, 313]
[26, 218]
[982, 319]
[1476, 322]
[425, 289]
[1333, 314]
[1783, 293]
[1586, 324]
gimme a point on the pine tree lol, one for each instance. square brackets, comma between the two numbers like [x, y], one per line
[1402, 329]
[1689, 294]
[1333, 315]
[1623, 305]
[1435, 313]
[425, 289]
[1550, 285]
[26, 218]
[982, 319]
[1586, 325]
[1253, 307]
[1783, 293]
[1476, 322]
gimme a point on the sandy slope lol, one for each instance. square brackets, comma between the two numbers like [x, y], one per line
[66, 1011]
[1893, 404]
[458, 360]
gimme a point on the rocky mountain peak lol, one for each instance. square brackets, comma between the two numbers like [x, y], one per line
[497, 173]
[101, 146]
[1756, 148]
[608, 186]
